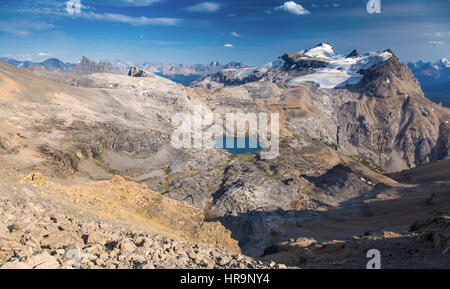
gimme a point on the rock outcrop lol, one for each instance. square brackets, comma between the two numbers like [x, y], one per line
[87, 66]
[137, 72]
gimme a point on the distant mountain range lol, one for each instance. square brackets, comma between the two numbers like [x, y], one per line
[434, 79]
[180, 73]
[49, 64]
[431, 73]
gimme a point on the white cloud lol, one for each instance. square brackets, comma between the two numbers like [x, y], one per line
[235, 34]
[204, 7]
[293, 8]
[59, 9]
[139, 2]
[138, 21]
[127, 2]
[228, 45]
[23, 27]
[439, 34]
[436, 43]
[44, 54]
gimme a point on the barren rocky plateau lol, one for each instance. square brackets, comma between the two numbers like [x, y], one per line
[89, 168]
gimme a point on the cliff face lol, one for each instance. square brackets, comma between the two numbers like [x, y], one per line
[392, 121]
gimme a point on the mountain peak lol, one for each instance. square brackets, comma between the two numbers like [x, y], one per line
[85, 60]
[324, 44]
[137, 72]
[354, 53]
[321, 50]
[105, 62]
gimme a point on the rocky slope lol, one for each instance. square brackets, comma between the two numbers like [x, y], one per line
[39, 234]
[412, 225]
[406, 250]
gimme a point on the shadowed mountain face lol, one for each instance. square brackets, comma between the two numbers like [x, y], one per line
[343, 122]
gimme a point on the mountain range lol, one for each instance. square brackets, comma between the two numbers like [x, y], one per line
[180, 73]
[49, 64]
[434, 78]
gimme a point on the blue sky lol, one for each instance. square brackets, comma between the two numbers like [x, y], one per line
[250, 31]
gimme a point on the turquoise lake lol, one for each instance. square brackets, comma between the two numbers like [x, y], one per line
[239, 145]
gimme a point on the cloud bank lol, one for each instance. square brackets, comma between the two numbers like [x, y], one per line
[138, 21]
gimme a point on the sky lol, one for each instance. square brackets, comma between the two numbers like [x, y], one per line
[189, 32]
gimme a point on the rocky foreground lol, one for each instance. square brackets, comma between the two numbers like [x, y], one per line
[39, 234]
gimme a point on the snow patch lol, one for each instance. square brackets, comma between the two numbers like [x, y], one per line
[323, 50]
[344, 71]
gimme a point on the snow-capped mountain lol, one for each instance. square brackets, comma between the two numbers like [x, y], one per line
[320, 64]
[431, 73]
[434, 79]
[322, 50]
